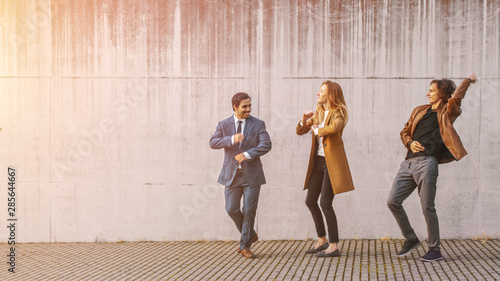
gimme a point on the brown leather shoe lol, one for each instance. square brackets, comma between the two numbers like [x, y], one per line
[247, 253]
[254, 238]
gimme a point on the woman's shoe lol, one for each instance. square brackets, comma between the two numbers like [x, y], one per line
[320, 248]
[323, 254]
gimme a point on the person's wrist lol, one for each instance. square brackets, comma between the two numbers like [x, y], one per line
[408, 145]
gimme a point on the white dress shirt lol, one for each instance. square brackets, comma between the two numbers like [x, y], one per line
[321, 151]
[243, 121]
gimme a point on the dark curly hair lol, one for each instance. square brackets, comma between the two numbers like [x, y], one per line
[445, 87]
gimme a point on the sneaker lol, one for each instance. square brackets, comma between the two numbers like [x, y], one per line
[408, 246]
[432, 255]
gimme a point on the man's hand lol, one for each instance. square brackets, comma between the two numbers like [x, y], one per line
[306, 115]
[472, 78]
[416, 147]
[238, 138]
[314, 127]
[240, 157]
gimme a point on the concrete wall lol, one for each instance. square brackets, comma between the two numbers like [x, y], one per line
[107, 107]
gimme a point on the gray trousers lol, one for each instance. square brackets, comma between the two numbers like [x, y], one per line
[244, 219]
[421, 172]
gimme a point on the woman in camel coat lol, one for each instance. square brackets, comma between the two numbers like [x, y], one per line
[328, 171]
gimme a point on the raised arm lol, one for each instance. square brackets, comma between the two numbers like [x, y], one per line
[455, 102]
[304, 126]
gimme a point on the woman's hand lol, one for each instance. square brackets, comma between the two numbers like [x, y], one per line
[313, 128]
[306, 115]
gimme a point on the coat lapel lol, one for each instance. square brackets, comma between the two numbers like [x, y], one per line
[247, 129]
[230, 126]
[329, 117]
[248, 125]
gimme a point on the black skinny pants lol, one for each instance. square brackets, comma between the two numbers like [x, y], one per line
[319, 183]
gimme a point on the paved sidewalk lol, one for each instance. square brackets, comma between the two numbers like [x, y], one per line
[276, 260]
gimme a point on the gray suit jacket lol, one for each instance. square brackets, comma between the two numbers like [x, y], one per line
[256, 143]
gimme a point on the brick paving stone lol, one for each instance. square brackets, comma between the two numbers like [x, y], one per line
[276, 260]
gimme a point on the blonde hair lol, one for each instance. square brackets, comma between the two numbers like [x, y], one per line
[335, 100]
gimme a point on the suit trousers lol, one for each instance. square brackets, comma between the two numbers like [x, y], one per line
[244, 219]
[417, 172]
[319, 184]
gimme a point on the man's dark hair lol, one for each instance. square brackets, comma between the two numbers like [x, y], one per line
[238, 97]
[445, 87]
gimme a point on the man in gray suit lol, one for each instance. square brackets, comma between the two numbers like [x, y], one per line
[244, 139]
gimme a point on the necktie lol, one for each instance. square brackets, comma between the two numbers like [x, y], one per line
[238, 131]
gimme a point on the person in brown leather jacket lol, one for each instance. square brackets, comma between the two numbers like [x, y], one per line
[431, 140]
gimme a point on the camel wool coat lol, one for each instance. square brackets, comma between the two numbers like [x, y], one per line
[335, 157]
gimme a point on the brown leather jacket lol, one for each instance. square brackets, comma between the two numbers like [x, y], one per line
[447, 114]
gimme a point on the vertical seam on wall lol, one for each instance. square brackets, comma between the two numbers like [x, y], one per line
[51, 80]
[260, 50]
[483, 70]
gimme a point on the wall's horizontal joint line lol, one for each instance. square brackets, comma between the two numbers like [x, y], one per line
[233, 78]
[382, 78]
[123, 77]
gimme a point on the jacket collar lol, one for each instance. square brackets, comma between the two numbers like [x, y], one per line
[248, 123]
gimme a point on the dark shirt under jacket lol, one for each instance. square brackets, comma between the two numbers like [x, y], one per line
[428, 135]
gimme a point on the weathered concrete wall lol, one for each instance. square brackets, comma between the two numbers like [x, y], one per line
[107, 107]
